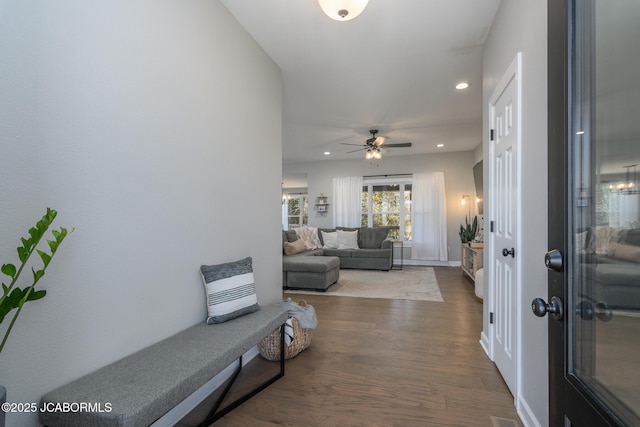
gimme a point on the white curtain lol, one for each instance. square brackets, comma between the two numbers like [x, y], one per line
[429, 217]
[347, 200]
[285, 214]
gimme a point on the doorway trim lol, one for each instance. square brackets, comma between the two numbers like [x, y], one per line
[513, 72]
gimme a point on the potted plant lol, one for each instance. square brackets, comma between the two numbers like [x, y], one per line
[14, 297]
[468, 232]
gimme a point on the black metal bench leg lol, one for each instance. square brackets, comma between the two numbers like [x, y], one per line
[216, 414]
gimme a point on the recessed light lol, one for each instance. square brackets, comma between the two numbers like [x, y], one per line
[462, 85]
[327, 153]
[440, 145]
[580, 132]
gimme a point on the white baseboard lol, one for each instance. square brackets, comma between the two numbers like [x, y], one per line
[484, 343]
[178, 412]
[430, 263]
[526, 415]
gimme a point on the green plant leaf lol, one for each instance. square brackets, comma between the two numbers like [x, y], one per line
[26, 243]
[9, 270]
[22, 254]
[37, 274]
[46, 258]
[51, 214]
[53, 245]
[36, 295]
[35, 234]
[43, 224]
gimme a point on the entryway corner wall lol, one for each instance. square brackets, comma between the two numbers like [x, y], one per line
[522, 27]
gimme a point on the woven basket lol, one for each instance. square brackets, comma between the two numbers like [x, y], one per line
[269, 347]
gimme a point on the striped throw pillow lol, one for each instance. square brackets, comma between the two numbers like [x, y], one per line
[230, 289]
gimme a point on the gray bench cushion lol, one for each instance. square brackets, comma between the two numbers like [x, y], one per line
[145, 385]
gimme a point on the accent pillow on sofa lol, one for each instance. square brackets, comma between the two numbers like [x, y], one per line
[330, 239]
[230, 290]
[310, 237]
[626, 252]
[347, 239]
[295, 247]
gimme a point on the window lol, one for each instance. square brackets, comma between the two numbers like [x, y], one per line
[297, 211]
[387, 203]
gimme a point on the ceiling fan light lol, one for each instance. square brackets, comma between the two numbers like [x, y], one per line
[343, 10]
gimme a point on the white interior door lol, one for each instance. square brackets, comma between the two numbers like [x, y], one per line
[504, 115]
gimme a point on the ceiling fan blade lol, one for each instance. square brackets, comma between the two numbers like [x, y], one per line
[400, 145]
[359, 149]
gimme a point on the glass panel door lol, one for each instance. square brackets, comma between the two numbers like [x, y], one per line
[604, 266]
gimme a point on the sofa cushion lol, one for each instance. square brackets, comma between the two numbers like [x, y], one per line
[329, 239]
[371, 238]
[348, 239]
[316, 264]
[632, 237]
[230, 289]
[291, 235]
[626, 252]
[371, 253]
[342, 253]
[295, 247]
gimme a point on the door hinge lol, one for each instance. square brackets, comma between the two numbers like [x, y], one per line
[491, 318]
[491, 135]
[491, 226]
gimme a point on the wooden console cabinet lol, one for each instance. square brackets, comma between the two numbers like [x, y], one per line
[471, 259]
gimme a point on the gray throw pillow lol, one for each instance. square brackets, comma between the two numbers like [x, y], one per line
[230, 290]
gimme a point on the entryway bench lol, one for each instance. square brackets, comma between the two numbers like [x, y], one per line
[142, 387]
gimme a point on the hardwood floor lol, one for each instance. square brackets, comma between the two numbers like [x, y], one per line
[375, 362]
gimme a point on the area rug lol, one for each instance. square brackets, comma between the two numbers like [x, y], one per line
[410, 283]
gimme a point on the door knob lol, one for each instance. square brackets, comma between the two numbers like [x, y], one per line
[587, 311]
[507, 252]
[540, 308]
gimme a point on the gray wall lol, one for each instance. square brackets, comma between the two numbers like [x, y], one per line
[521, 26]
[136, 121]
[458, 173]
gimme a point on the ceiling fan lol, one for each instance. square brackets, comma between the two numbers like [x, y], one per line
[374, 144]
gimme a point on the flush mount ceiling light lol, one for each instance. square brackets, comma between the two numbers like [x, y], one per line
[343, 10]
[462, 85]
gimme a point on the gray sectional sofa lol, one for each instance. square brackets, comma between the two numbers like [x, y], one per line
[299, 272]
[610, 257]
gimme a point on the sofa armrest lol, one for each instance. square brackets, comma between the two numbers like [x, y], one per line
[386, 244]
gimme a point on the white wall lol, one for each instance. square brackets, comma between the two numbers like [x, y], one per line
[521, 26]
[137, 121]
[458, 175]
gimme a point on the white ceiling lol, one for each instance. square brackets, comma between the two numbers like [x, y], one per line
[393, 68]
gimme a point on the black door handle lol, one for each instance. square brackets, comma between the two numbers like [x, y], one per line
[507, 252]
[540, 308]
